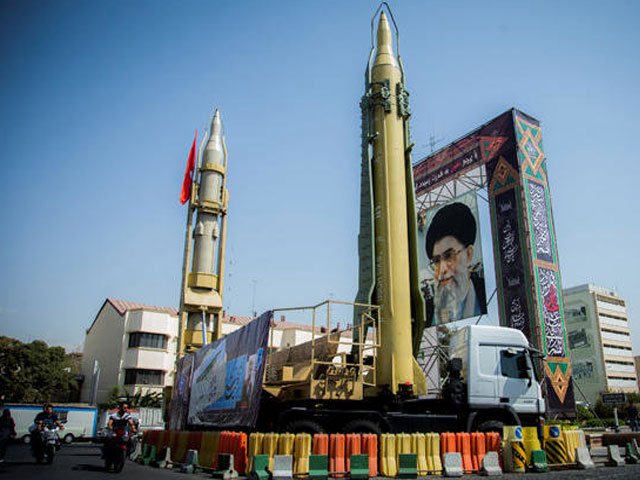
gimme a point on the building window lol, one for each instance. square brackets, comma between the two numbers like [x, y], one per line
[147, 340]
[137, 376]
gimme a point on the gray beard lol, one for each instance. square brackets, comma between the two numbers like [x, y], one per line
[447, 300]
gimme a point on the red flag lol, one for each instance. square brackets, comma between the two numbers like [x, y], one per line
[185, 194]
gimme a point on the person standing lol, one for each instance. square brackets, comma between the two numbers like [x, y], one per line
[632, 414]
[7, 431]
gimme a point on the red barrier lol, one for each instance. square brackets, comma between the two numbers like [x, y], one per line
[478, 449]
[320, 444]
[370, 447]
[493, 444]
[234, 443]
[336, 455]
[463, 445]
[447, 443]
[354, 441]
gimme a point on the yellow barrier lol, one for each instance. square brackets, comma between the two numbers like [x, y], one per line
[531, 441]
[432, 447]
[388, 464]
[554, 445]
[208, 451]
[254, 448]
[573, 440]
[518, 456]
[302, 450]
[285, 443]
[419, 447]
[403, 445]
[270, 446]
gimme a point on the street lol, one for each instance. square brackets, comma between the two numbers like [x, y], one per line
[82, 461]
[77, 461]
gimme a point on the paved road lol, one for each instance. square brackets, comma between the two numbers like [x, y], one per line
[79, 461]
[82, 462]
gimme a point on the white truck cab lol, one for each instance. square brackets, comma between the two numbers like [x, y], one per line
[498, 369]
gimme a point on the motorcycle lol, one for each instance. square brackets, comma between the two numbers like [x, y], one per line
[45, 444]
[115, 450]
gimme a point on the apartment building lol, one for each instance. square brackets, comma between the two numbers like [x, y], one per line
[134, 346]
[599, 339]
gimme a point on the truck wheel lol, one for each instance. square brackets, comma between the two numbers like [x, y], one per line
[69, 438]
[303, 426]
[362, 426]
[490, 426]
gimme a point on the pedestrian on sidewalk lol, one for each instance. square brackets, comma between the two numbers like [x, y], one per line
[7, 431]
[632, 414]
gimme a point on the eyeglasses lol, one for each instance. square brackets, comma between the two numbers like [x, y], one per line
[449, 257]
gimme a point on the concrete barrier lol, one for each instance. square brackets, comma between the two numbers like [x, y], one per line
[490, 465]
[452, 464]
[282, 467]
[614, 459]
[583, 458]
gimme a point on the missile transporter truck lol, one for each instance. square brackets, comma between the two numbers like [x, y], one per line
[368, 379]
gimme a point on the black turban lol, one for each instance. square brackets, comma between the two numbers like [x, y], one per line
[454, 219]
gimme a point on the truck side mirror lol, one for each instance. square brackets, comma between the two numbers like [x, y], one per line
[524, 369]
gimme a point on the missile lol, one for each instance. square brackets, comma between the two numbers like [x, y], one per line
[387, 241]
[202, 283]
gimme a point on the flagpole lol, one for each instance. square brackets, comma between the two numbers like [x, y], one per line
[182, 315]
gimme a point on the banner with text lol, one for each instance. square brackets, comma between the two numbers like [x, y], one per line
[227, 377]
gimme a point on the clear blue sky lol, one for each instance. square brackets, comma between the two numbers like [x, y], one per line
[99, 100]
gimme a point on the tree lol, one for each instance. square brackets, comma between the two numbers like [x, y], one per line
[149, 399]
[34, 372]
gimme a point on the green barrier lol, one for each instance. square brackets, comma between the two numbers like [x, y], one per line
[151, 454]
[631, 456]
[408, 465]
[318, 467]
[260, 467]
[359, 467]
[539, 461]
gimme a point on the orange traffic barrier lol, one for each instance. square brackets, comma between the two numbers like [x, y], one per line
[336, 455]
[320, 444]
[370, 447]
[234, 443]
[447, 443]
[492, 444]
[463, 445]
[354, 441]
[208, 451]
[478, 449]
[177, 441]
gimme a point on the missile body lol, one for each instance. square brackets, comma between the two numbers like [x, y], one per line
[388, 255]
[203, 274]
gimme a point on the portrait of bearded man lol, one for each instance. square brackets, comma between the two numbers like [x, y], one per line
[457, 290]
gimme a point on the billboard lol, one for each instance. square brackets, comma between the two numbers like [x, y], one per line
[227, 377]
[451, 266]
[180, 399]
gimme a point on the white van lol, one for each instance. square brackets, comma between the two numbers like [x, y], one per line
[80, 421]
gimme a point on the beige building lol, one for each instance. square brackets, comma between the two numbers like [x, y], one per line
[134, 346]
[600, 343]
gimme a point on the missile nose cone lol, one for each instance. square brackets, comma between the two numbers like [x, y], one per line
[384, 43]
[214, 149]
[216, 124]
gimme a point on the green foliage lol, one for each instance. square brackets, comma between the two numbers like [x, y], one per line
[599, 423]
[584, 414]
[118, 393]
[34, 372]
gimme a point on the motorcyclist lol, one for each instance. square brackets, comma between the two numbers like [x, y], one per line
[46, 418]
[121, 418]
[49, 418]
